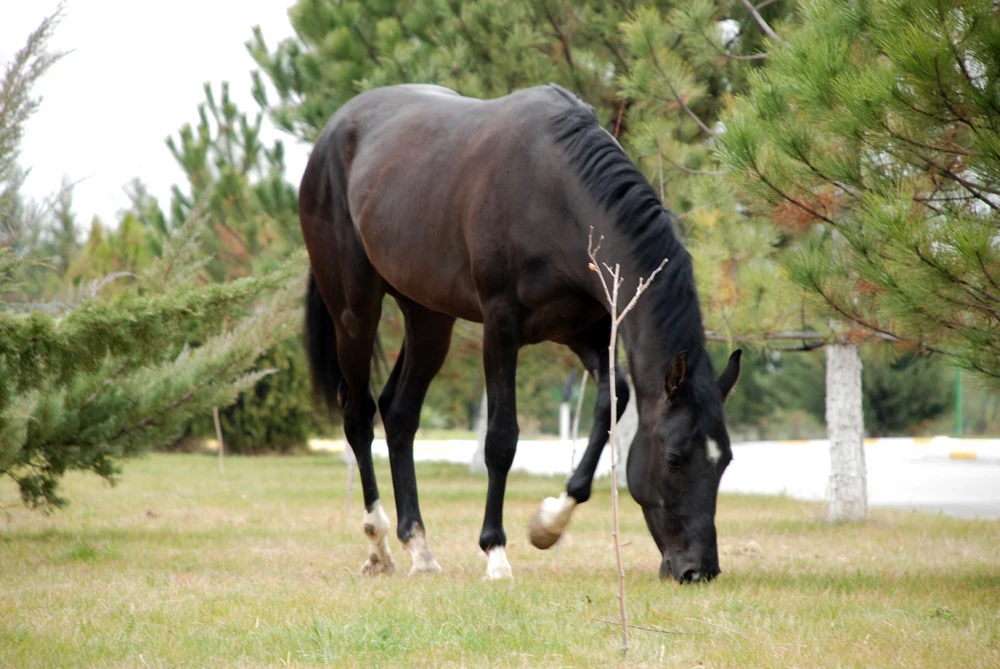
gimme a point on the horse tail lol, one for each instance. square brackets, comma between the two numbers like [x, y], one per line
[321, 348]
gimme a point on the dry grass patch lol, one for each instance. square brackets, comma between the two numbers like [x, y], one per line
[173, 567]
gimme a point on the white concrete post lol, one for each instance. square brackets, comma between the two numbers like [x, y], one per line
[478, 464]
[564, 421]
[627, 427]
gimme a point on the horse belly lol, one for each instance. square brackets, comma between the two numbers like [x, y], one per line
[423, 263]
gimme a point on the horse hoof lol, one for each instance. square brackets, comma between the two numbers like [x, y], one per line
[423, 559]
[498, 568]
[550, 520]
[426, 568]
[541, 536]
[377, 566]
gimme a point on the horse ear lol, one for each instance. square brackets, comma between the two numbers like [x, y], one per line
[676, 375]
[730, 375]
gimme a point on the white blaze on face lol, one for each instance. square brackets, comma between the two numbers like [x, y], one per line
[498, 567]
[714, 452]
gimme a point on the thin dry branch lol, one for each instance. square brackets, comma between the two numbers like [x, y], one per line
[726, 628]
[762, 23]
[616, 319]
[648, 628]
[222, 446]
[688, 170]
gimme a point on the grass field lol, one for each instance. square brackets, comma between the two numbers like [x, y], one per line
[174, 567]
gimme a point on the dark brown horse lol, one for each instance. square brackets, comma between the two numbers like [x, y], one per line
[481, 210]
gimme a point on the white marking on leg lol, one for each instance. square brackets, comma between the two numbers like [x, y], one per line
[377, 528]
[550, 520]
[714, 452]
[498, 567]
[423, 559]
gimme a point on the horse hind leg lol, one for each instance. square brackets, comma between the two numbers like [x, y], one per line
[354, 314]
[352, 293]
[359, 415]
[425, 347]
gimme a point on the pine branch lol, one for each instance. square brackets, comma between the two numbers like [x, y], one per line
[760, 175]
[762, 23]
[673, 91]
[688, 170]
[725, 53]
[28, 65]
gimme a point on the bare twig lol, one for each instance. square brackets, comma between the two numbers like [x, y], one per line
[106, 382]
[689, 170]
[616, 319]
[95, 287]
[567, 54]
[726, 628]
[648, 628]
[622, 544]
[618, 123]
[762, 23]
[222, 446]
[711, 335]
[853, 643]
[725, 53]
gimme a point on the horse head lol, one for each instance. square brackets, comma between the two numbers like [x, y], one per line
[674, 467]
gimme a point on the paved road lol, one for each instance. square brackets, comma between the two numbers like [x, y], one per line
[905, 476]
[900, 473]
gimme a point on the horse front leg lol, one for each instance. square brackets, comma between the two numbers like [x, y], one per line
[501, 341]
[553, 515]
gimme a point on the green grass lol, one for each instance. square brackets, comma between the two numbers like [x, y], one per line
[173, 567]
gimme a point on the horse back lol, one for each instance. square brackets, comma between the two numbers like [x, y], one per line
[457, 200]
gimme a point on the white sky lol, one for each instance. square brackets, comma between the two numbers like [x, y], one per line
[134, 76]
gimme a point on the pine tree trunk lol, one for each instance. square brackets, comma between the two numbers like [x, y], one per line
[845, 428]
[627, 427]
[478, 464]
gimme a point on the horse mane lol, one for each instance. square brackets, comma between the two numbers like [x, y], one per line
[616, 184]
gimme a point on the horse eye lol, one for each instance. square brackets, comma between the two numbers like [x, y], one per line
[674, 461]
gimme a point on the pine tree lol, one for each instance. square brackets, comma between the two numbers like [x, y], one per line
[252, 207]
[482, 49]
[110, 378]
[254, 214]
[683, 65]
[27, 66]
[86, 383]
[874, 136]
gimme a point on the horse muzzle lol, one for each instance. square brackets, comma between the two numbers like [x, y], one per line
[686, 570]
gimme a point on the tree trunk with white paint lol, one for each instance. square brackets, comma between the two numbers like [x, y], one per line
[627, 427]
[478, 464]
[845, 426]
